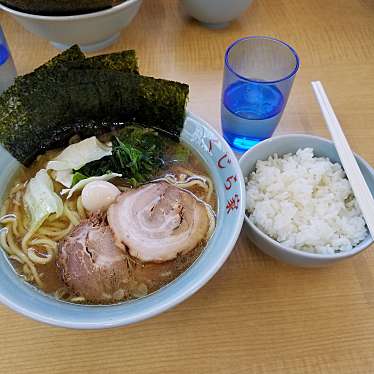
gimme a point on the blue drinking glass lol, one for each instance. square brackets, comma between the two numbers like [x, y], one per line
[7, 69]
[258, 76]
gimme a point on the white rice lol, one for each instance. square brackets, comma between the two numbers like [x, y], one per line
[305, 202]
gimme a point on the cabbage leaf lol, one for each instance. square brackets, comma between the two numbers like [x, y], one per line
[75, 156]
[40, 199]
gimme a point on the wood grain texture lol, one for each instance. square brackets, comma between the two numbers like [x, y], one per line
[256, 315]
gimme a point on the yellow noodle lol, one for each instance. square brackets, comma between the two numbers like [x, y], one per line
[45, 242]
[16, 258]
[71, 215]
[192, 182]
[23, 257]
[207, 180]
[27, 273]
[62, 293]
[15, 228]
[26, 270]
[62, 225]
[13, 245]
[19, 196]
[47, 231]
[57, 224]
[26, 238]
[4, 244]
[185, 170]
[203, 182]
[212, 221]
[4, 209]
[19, 226]
[55, 235]
[77, 299]
[16, 188]
[7, 218]
[210, 190]
[36, 259]
[80, 208]
[3, 241]
[15, 225]
[55, 216]
[50, 230]
[24, 221]
[16, 203]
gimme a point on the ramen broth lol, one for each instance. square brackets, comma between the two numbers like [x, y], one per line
[49, 273]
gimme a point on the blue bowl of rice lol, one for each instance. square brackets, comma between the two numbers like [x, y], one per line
[300, 208]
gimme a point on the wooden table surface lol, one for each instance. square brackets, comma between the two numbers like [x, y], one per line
[256, 315]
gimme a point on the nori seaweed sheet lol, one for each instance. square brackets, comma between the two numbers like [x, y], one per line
[125, 61]
[45, 110]
[74, 58]
[60, 7]
[73, 55]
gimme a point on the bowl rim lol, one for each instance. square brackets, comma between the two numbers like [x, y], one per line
[177, 297]
[296, 252]
[76, 17]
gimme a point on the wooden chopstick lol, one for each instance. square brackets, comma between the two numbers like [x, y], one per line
[360, 189]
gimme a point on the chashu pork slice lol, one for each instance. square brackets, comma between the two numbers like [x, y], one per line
[93, 267]
[90, 264]
[158, 221]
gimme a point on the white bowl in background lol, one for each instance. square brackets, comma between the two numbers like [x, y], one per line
[216, 13]
[290, 144]
[92, 31]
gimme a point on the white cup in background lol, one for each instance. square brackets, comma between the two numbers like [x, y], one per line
[216, 13]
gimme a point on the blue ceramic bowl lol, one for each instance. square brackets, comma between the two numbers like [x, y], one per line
[229, 184]
[290, 144]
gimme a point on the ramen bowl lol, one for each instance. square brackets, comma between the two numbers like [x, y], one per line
[229, 185]
[91, 31]
[290, 144]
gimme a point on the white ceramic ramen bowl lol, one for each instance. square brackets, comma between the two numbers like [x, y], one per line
[223, 167]
[290, 144]
[217, 13]
[92, 31]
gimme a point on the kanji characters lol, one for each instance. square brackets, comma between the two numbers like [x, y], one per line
[233, 204]
[224, 161]
[229, 181]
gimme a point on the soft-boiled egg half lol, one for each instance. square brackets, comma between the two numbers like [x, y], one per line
[98, 195]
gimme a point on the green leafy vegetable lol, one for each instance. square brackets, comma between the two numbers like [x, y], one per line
[137, 153]
[77, 177]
